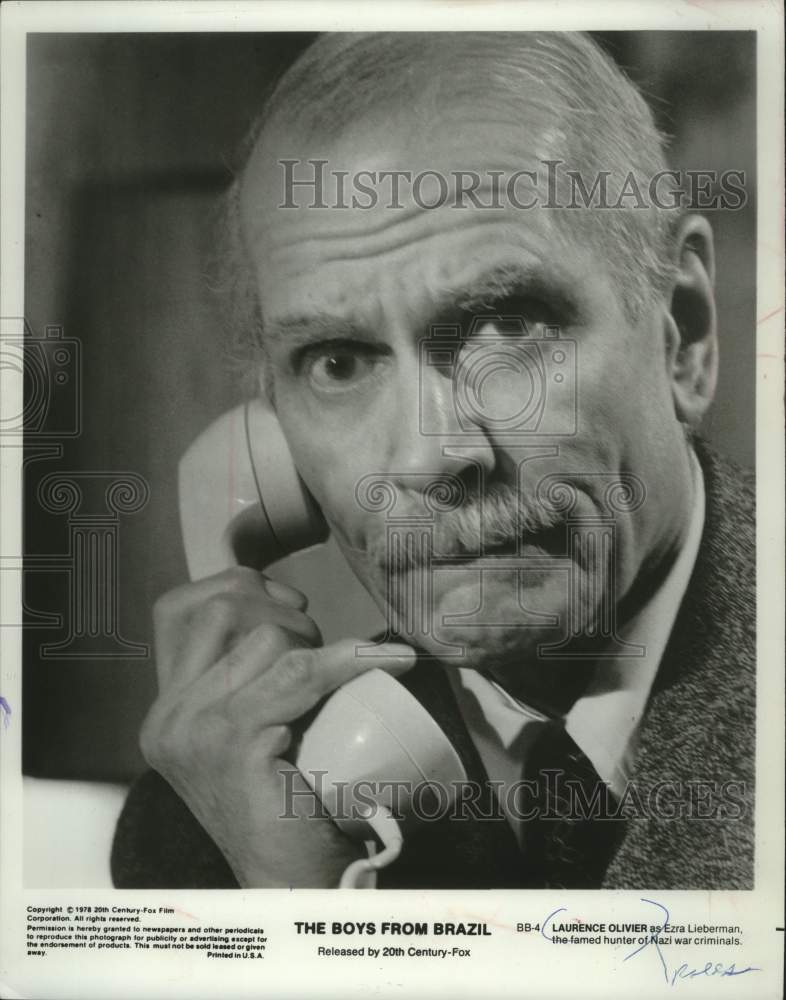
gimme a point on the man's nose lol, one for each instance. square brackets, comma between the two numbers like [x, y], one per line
[430, 439]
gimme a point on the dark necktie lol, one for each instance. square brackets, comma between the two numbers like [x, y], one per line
[574, 835]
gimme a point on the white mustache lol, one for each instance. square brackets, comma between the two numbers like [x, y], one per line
[497, 518]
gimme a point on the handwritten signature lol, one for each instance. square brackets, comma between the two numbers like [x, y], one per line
[671, 976]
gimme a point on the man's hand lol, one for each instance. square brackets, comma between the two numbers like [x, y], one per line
[237, 663]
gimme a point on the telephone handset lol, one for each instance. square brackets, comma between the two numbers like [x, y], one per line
[241, 498]
[243, 502]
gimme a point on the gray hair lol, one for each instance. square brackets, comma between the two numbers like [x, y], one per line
[589, 114]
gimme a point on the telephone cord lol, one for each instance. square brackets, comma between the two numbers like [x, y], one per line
[381, 821]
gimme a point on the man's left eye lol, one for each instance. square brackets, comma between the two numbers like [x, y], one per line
[341, 366]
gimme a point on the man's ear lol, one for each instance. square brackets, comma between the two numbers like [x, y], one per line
[691, 328]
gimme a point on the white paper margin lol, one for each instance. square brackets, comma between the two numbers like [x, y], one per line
[506, 964]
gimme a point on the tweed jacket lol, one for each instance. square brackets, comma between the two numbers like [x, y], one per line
[695, 755]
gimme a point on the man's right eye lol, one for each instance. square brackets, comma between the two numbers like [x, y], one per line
[340, 366]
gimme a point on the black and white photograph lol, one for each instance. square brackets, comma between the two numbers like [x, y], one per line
[393, 499]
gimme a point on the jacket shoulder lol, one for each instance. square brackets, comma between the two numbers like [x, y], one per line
[697, 738]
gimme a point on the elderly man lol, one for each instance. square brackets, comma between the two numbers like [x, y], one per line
[497, 196]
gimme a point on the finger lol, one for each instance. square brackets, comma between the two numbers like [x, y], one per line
[218, 624]
[253, 657]
[286, 594]
[180, 604]
[236, 643]
[302, 677]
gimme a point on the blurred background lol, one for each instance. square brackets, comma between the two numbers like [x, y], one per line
[130, 139]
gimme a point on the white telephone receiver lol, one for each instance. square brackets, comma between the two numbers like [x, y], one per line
[243, 502]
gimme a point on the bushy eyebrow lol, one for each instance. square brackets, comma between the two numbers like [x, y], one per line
[480, 294]
[517, 279]
[297, 329]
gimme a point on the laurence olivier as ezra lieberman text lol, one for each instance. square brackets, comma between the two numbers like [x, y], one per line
[473, 300]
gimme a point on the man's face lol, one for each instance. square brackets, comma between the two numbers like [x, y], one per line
[351, 301]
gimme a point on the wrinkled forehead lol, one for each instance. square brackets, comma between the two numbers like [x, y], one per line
[414, 252]
[301, 186]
